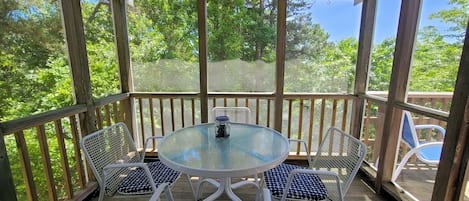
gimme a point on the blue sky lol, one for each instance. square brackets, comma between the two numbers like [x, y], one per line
[341, 19]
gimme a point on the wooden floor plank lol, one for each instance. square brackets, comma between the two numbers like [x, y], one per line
[359, 191]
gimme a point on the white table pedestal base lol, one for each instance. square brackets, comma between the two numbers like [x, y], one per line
[224, 185]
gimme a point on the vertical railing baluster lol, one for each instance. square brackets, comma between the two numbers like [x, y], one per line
[311, 124]
[290, 105]
[115, 113]
[162, 117]
[193, 110]
[321, 121]
[334, 112]
[142, 119]
[344, 115]
[182, 112]
[31, 191]
[268, 112]
[78, 159]
[171, 103]
[300, 126]
[45, 157]
[107, 114]
[63, 153]
[99, 120]
[368, 117]
[257, 110]
[152, 123]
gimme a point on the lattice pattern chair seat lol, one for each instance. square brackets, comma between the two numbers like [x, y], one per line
[136, 181]
[304, 186]
[118, 166]
[328, 176]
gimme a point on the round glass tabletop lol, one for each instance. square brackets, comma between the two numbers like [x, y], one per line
[250, 149]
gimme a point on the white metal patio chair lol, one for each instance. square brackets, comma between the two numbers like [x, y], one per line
[427, 152]
[328, 176]
[118, 166]
[235, 114]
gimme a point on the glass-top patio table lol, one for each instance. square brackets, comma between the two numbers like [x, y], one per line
[249, 150]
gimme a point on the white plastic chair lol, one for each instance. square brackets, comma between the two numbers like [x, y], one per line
[118, 166]
[427, 152]
[235, 114]
[328, 176]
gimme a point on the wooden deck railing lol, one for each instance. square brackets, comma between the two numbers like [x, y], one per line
[305, 116]
[46, 146]
[57, 171]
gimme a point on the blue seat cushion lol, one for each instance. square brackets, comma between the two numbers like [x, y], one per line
[431, 152]
[136, 181]
[304, 186]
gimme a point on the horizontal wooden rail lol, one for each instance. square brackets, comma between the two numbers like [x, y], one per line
[16, 125]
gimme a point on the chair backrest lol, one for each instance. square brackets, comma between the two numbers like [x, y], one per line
[341, 153]
[409, 134]
[110, 145]
[236, 114]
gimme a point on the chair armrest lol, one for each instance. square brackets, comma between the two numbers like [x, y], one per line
[407, 156]
[421, 146]
[305, 145]
[432, 126]
[124, 165]
[294, 172]
[146, 144]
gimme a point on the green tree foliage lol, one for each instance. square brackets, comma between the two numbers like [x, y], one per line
[164, 45]
[458, 16]
[100, 46]
[176, 21]
[436, 57]
[30, 35]
[381, 64]
[435, 63]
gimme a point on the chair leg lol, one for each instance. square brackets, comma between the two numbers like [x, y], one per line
[169, 194]
[401, 165]
[162, 188]
[154, 197]
[102, 192]
[266, 194]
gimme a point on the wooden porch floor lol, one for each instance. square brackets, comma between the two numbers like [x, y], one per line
[418, 180]
[359, 191]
